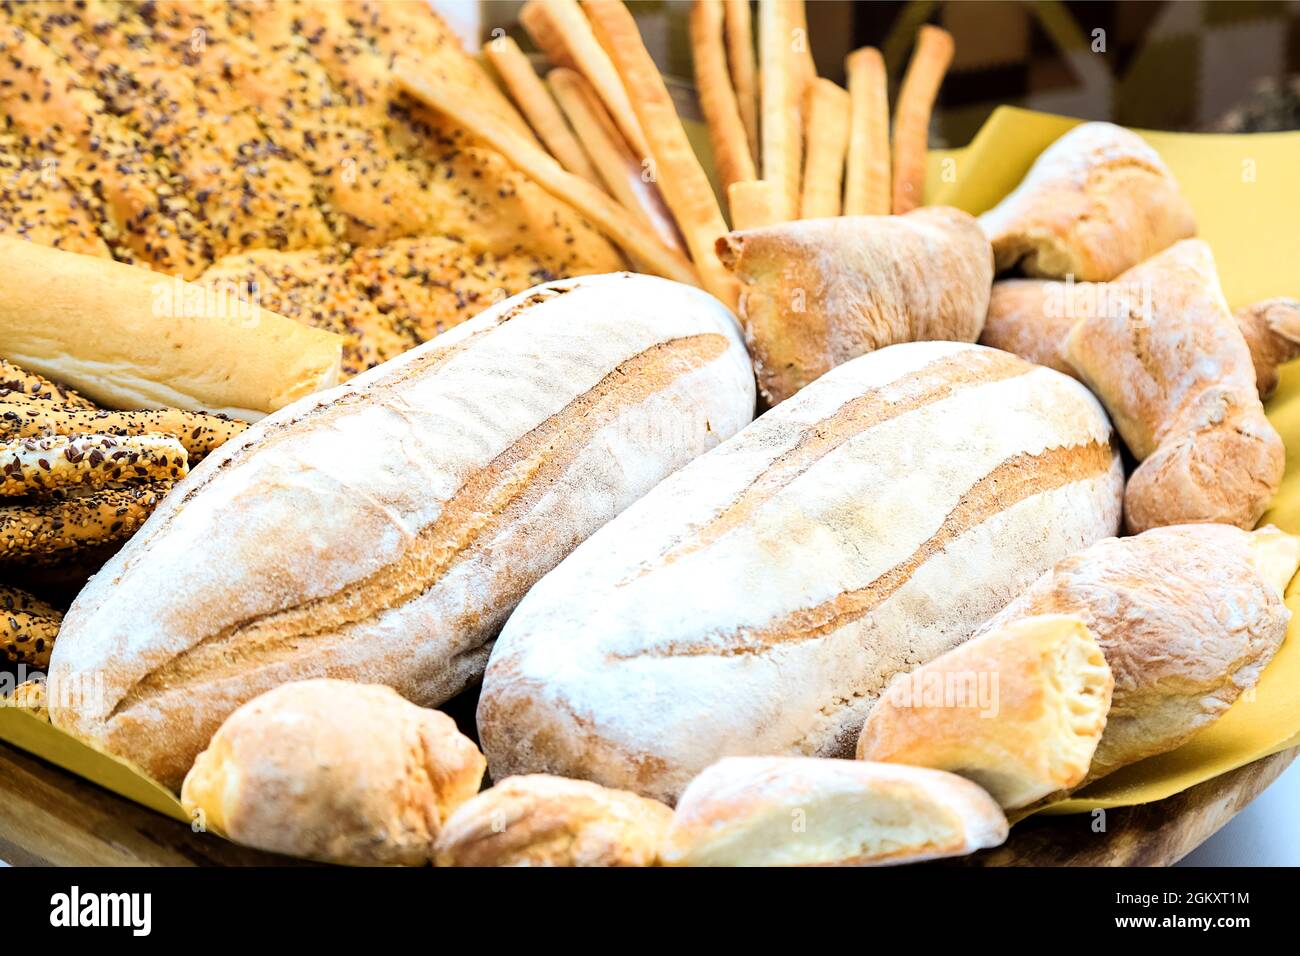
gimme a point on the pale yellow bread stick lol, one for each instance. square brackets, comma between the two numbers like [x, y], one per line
[607, 215]
[867, 189]
[781, 132]
[755, 204]
[930, 59]
[731, 155]
[541, 28]
[619, 169]
[530, 95]
[682, 181]
[744, 70]
[828, 141]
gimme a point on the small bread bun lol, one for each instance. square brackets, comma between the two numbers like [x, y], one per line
[1019, 711]
[334, 771]
[810, 811]
[540, 820]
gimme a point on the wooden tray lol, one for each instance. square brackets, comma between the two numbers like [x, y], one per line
[48, 816]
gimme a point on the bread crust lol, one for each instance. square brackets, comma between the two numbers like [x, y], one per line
[818, 292]
[540, 820]
[334, 771]
[802, 811]
[385, 529]
[759, 600]
[1097, 201]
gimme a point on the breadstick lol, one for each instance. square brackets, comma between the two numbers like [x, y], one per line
[28, 627]
[921, 84]
[828, 141]
[542, 30]
[867, 190]
[607, 215]
[538, 108]
[754, 204]
[596, 65]
[22, 382]
[199, 432]
[39, 465]
[779, 90]
[740, 58]
[685, 187]
[66, 523]
[731, 155]
[619, 168]
[801, 44]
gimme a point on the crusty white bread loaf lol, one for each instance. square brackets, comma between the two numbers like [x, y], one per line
[334, 771]
[539, 820]
[758, 601]
[1187, 617]
[1018, 710]
[1097, 201]
[130, 338]
[385, 529]
[801, 811]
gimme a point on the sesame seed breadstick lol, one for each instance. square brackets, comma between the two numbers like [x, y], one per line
[199, 432]
[19, 381]
[40, 465]
[66, 523]
[29, 696]
[28, 627]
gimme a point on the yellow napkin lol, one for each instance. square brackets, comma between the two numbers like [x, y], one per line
[1247, 205]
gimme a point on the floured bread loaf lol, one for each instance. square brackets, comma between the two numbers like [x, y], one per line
[799, 811]
[1019, 710]
[758, 601]
[384, 530]
[1096, 202]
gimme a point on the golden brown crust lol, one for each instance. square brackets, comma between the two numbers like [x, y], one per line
[1096, 202]
[57, 527]
[28, 627]
[1171, 366]
[1272, 331]
[1031, 318]
[540, 820]
[335, 771]
[1018, 711]
[817, 293]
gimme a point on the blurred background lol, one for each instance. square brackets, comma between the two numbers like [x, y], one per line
[1203, 65]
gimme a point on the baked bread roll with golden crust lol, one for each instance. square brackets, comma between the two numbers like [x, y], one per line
[1271, 329]
[818, 292]
[804, 811]
[540, 820]
[1096, 202]
[384, 530]
[1187, 618]
[1019, 710]
[1177, 377]
[334, 771]
[759, 600]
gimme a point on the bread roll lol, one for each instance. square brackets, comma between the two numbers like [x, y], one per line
[1019, 711]
[1032, 317]
[130, 338]
[540, 820]
[334, 771]
[758, 601]
[1096, 202]
[1187, 618]
[800, 811]
[384, 530]
[818, 292]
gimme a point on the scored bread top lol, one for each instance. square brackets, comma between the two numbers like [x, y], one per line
[758, 600]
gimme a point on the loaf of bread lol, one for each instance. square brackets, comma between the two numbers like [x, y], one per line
[759, 600]
[384, 530]
[1271, 329]
[818, 292]
[539, 820]
[1032, 317]
[1019, 710]
[127, 337]
[1178, 380]
[334, 771]
[1187, 618]
[1096, 202]
[801, 811]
